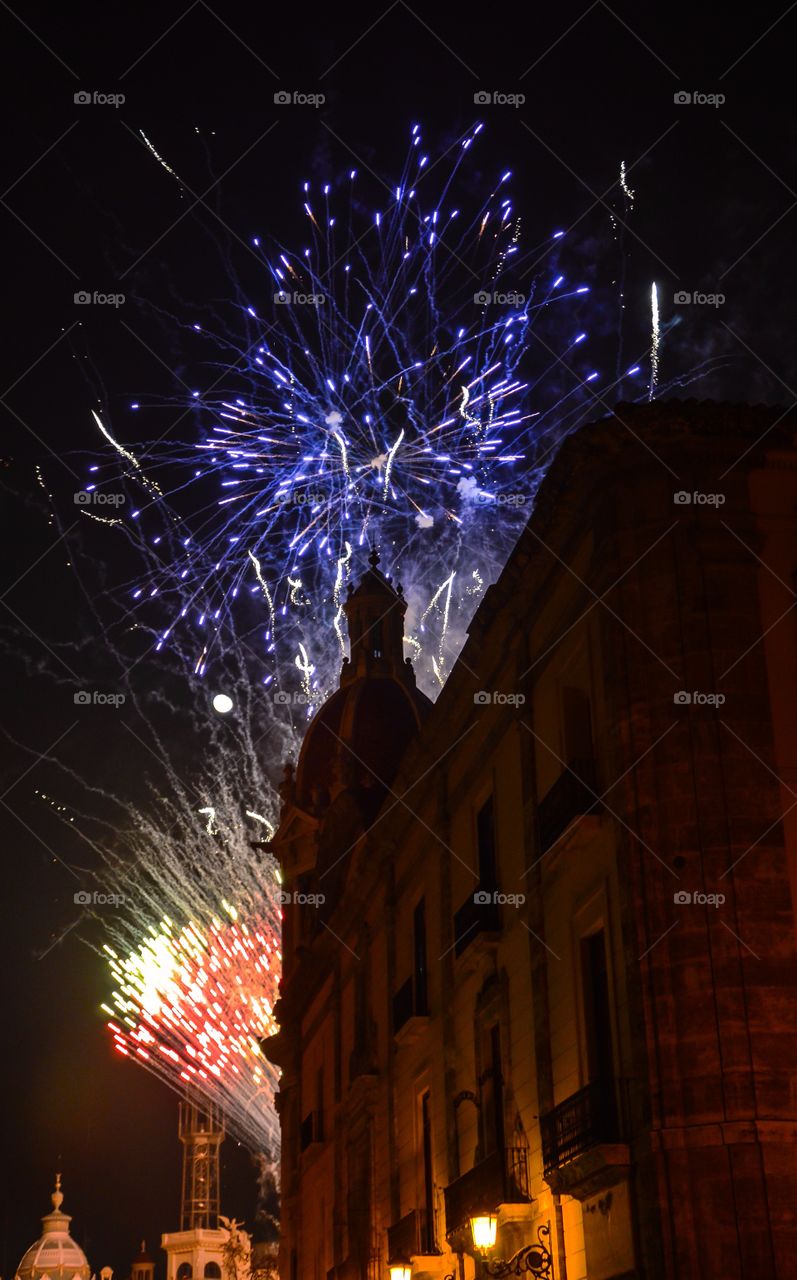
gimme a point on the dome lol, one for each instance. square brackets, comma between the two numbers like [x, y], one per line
[55, 1254]
[359, 734]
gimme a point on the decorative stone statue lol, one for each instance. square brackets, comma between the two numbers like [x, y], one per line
[237, 1250]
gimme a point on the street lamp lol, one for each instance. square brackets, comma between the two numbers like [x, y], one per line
[533, 1258]
[400, 1269]
[483, 1227]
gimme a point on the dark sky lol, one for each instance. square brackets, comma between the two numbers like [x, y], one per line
[86, 206]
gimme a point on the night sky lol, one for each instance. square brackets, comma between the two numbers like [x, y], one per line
[86, 206]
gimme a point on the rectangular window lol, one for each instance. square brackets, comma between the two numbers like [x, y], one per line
[485, 845]
[577, 729]
[597, 1008]
[492, 1092]
[319, 1105]
[419, 948]
[427, 1239]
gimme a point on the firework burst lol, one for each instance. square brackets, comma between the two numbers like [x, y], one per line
[192, 1004]
[400, 381]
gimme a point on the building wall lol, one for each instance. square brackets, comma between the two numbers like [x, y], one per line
[616, 598]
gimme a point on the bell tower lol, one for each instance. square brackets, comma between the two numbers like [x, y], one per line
[143, 1267]
[201, 1133]
[195, 1252]
[375, 612]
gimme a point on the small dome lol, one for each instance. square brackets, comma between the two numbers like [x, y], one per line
[55, 1254]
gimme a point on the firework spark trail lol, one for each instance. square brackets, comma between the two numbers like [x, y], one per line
[655, 338]
[192, 942]
[192, 1004]
[164, 164]
[381, 365]
[194, 949]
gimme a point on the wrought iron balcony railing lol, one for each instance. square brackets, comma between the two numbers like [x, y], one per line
[412, 1236]
[573, 795]
[479, 914]
[311, 1129]
[501, 1178]
[585, 1120]
[408, 1003]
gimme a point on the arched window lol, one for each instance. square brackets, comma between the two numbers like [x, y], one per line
[375, 637]
[212, 1271]
[185, 1271]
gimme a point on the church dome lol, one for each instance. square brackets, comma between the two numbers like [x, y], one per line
[55, 1255]
[358, 736]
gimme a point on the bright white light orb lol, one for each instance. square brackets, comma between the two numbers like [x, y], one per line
[222, 703]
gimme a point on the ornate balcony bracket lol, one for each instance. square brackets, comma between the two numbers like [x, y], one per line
[534, 1259]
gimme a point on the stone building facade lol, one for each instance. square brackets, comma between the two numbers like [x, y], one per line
[539, 961]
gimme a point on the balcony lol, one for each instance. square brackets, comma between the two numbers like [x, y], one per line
[502, 1178]
[585, 1120]
[572, 796]
[475, 919]
[409, 1004]
[311, 1129]
[411, 1237]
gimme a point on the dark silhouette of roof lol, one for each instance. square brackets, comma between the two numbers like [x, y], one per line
[357, 738]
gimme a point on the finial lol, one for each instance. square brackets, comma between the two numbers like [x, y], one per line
[143, 1246]
[57, 1196]
[373, 559]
